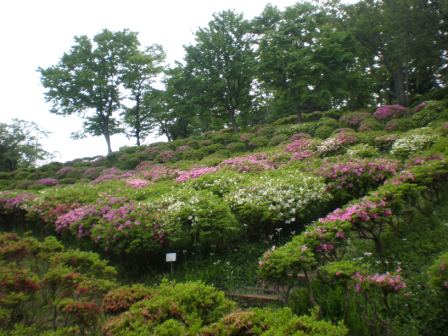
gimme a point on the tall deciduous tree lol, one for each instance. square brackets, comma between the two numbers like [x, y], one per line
[404, 37]
[87, 81]
[221, 62]
[307, 61]
[139, 73]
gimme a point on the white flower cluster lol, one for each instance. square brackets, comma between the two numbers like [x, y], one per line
[328, 146]
[411, 143]
[279, 199]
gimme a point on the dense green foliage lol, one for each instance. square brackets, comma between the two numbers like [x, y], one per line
[238, 73]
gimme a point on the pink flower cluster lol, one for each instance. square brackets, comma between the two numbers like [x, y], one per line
[48, 181]
[421, 160]
[403, 177]
[160, 172]
[364, 211]
[195, 173]
[298, 146]
[388, 282]
[299, 136]
[249, 163]
[355, 174]
[9, 202]
[302, 155]
[137, 183]
[68, 219]
[388, 111]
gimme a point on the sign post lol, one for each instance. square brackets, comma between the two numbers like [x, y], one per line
[171, 258]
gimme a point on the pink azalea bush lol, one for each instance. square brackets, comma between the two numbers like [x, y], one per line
[160, 172]
[10, 201]
[302, 155]
[48, 181]
[357, 175]
[195, 173]
[249, 163]
[298, 145]
[387, 282]
[389, 111]
[137, 183]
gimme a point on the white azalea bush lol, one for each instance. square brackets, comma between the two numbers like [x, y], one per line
[411, 143]
[195, 219]
[219, 183]
[273, 200]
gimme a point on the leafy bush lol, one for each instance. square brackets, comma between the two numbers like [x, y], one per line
[273, 322]
[433, 110]
[190, 218]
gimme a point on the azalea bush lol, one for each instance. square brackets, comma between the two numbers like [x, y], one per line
[411, 143]
[191, 218]
[389, 111]
[336, 144]
[356, 177]
[50, 286]
[249, 163]
[268, 201]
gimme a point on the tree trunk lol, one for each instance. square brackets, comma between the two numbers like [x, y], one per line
[399, 77]
[138, 124]
[233, 120]
[107, 137]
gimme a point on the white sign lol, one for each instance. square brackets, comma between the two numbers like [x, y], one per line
[170, 257]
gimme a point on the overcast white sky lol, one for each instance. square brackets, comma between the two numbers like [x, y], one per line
[36, 33]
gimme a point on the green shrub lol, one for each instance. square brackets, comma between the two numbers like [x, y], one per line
[267, 321]
[259, 141]
[292, 119]
[236, 147]
[403, 124]
[433, 110]
[277, 139]
[370, 124]
[313, 116]
[198, 219]
[323, 132]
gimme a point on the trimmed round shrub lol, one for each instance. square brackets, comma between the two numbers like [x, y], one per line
[235, 147]
[323, 132]
[259, 141]
[370, 124]
[278, 139]
[199, 219]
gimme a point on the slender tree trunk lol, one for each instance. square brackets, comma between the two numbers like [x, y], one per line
[400, 85]
[233, 120]
[107, 137]
[138, 124]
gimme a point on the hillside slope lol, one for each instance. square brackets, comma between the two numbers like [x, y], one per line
[348, 205]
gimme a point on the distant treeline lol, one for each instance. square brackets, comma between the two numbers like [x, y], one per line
[242, 72]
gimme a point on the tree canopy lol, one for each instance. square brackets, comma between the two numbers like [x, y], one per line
[239, 72]
[20, 144]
